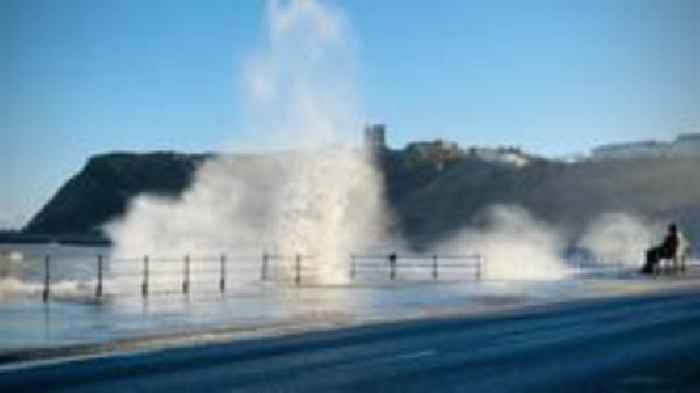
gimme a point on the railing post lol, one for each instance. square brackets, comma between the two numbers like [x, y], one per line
[144, 283]
[263, 266]
[297, 279]
[222, 278]
[353, 268]
[392, 266]
[186, 276]
[98, 289]
[435, 267]
[47, 279]
[478, 268]
[621, 269]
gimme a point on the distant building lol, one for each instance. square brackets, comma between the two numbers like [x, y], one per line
[442, 152]
[508, 155]
[621, 151]
[375, 138]
[684, 145]
[437, 151]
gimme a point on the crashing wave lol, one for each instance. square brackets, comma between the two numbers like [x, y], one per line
[10, 263]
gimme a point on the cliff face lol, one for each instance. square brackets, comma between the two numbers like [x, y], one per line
[429, 200]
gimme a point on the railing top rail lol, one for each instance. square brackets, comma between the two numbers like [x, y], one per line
[293, 256]
[108, 255]
[192, 257]
[423, 256]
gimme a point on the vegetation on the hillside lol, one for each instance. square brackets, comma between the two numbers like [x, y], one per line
[429, 198]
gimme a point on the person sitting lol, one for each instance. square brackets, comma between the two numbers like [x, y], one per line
[667, 250]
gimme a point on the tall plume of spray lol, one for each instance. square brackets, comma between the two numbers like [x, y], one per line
[300, 88]
[316, 195]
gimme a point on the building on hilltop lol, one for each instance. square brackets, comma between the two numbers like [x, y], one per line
[622, 151]
[508, 155]
[684, 145]
[443, 152]
[437, 151]
[375, 138]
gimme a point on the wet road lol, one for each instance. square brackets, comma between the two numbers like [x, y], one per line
[645, 344]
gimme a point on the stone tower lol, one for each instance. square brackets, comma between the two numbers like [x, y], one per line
[375, 138]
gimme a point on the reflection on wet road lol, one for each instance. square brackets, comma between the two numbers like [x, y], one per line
[646, 343]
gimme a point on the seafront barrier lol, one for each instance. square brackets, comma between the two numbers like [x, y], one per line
[291, 270]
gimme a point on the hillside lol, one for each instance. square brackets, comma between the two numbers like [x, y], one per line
[102, 189]
[429, 199]
[569, 195]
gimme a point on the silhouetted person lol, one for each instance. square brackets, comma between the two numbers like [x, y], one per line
[667, 250]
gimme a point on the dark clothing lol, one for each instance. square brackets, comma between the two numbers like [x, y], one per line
[667, 250]
[654, 255]
[669, 246]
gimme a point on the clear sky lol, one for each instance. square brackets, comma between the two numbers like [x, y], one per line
[81, 77]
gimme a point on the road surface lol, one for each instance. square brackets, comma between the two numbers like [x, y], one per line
[643, 344]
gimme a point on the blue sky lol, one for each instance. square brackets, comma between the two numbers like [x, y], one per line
[80, 77]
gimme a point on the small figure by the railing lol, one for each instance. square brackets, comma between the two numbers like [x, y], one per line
[674, 249]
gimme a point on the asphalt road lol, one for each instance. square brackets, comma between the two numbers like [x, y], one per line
[646, 344]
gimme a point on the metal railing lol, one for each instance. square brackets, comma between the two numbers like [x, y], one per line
[433, 263]
[293, 266]
[148, 274]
